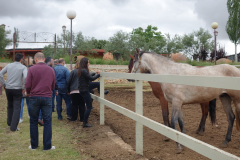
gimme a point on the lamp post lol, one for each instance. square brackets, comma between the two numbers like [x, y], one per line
[215, 26]
[71, 14]
[64, 29]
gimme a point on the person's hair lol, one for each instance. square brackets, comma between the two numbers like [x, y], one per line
[18, 57]
[77, 65]
[55, 61]
[48, 59]
[39, 55]
[61, 60]
[83, 65]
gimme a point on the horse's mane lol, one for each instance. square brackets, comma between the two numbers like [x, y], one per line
[153, 53]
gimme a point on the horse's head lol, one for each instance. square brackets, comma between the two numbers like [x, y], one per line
[138, 66]
[130, 66]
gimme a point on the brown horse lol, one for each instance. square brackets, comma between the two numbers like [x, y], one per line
[158, 93]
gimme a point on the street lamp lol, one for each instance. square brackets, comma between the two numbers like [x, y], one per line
[64, 29]
[215, 26]
[71, 14]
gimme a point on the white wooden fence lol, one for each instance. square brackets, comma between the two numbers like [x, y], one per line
[190, 142]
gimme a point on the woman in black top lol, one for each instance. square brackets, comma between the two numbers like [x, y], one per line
[78, 104]
[83, 85]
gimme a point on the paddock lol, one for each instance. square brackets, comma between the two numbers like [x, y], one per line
[153, 142]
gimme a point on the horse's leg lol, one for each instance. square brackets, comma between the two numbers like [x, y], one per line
[177, 116]
[201, 128]
[226, 102]
[165, 113]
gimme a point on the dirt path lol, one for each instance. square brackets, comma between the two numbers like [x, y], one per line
[154, 146]
[99, 142]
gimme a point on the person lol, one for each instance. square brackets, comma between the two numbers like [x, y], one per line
[55, 63]
[22, 102]
[14, 87]
[83, 85]
[78, 104]
[49, 62]
[62, 75]
[39, 87]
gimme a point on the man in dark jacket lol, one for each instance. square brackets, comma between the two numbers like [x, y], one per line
[62, 75]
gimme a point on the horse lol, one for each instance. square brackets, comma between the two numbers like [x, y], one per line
[158, 93]
[179, 95]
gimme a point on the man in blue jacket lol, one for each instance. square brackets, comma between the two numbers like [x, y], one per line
[62, 75]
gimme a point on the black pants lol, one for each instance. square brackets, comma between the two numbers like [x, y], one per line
[14, 98]
[93, 85]
[78, 105]
[87, 98]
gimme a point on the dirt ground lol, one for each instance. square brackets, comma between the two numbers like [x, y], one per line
[154, 145]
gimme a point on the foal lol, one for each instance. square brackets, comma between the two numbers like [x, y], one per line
[179, 95]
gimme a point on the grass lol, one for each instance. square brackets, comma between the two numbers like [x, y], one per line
[14, 145]
[5, 60]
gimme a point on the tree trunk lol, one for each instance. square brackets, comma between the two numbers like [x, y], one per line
[236, 58]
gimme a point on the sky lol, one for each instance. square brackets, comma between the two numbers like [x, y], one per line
[102, 18]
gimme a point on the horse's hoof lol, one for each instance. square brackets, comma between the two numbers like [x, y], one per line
[224, 145]
[179, 150]
[197, 131]
[166, 139]
[201, 133]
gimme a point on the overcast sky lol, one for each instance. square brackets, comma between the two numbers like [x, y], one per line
[102, 18]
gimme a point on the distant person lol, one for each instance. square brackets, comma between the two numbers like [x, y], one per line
[83, 85]
[49, 62]
[39, 87]
[55, 63]
[78, 104]
[62, 75]
[14, 87]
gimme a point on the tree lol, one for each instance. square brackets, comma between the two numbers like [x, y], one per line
[219, 54]
[118, 45]
[233, 23]
[193, 42]
[203, 54]
[84, 44]
[173, 45]
[4, 41]
[99, 44]
[148, 40]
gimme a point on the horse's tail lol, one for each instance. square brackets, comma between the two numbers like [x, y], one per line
[237, 119]
[212, 110]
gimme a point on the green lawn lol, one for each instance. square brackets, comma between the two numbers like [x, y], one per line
[14, 145]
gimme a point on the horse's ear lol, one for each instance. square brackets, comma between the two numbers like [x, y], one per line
[137, 50]
[131, 57]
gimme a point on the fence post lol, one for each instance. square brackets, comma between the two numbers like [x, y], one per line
[101, 96]
[139, 110]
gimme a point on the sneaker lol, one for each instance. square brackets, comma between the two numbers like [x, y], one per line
[21, 120]
[30, 147]
[69, 118]
[18, 129]
[53, 147]
[40, 122]
[106, 92]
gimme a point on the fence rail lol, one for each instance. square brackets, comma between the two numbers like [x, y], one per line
[190, 142]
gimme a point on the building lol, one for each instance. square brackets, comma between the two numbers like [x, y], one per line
[232, 57]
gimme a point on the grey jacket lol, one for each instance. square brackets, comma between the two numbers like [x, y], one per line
[72, 83]
[16, 76]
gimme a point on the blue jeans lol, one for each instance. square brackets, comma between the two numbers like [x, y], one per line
[45, 105]
[67, 99]
[22, 105]
[53, 99]
[88, 100]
